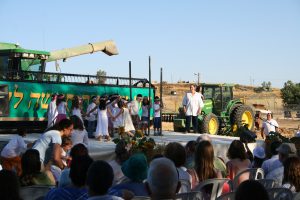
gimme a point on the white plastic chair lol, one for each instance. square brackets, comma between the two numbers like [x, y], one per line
[217, 186]
[34, 192]
[190, 196]
[267, 183]
[254, 174]
[227, 196]
[280, 194]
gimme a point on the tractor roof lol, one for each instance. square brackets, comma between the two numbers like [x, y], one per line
[15, 48]
[218, 84]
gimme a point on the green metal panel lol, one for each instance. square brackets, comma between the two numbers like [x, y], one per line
[30, 100]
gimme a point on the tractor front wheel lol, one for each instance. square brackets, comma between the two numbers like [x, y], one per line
[210, 124]
[243, 115]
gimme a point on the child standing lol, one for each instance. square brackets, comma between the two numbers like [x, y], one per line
[146, 105]
[61, 107]
[79, 134]
[11, 153]
[157, 118]
[52, 112]
[76, 107]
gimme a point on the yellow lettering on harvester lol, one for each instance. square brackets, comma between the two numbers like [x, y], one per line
[44, 104]
[35, 96]
[18, 95]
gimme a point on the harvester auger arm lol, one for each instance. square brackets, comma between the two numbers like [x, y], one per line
[107, 47]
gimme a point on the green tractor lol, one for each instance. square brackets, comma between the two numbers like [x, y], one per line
[221, 113]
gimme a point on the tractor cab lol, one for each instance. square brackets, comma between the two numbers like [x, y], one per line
[16, 62]
[219, 95]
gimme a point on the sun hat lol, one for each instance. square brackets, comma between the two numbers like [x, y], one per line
[259, 152]
[136, 167]
[287, 149]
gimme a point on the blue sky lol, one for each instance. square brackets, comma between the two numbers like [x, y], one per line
[235, 41]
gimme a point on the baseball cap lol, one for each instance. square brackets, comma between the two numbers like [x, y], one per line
[259, 152]
[287, 149]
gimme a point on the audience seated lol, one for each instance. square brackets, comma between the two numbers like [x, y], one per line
[31, 170]
[274, 162]
[251, 190]
[9, 185]
[285, 150]
[162, 180]
[176, 152]
[237, 160]
[204, 164]
[77, 150]
[218, 162]
[78, 174]
[135, 169]
[291, 174]
[99, 180]
[121, 156]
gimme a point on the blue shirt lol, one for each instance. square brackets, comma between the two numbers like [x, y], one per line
[67, 193]
[138, 189]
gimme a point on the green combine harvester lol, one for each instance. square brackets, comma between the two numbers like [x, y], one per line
[221, 113]
[26, 87]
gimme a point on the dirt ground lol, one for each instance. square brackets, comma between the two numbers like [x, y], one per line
[173, 94]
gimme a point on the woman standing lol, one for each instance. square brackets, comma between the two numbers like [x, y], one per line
[61, 107]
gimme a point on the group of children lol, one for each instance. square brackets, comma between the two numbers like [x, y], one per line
[109, 113]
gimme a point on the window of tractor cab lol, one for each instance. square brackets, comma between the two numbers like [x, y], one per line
[34, 65]
[3, 66]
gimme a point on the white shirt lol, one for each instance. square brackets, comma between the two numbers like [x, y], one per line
[61, 108]
[134, 107]
[52, 112]
[193, 103]
[79, 136]
[156, 107]
[93, 114]
[14, 148]
[43, 143]
[77, 112]
[145, 110]
[269, 126]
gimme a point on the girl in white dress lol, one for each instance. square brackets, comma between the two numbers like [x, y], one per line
[76, 107]
[79, 134]
[61, 107]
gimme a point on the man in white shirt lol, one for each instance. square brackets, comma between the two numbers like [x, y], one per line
[270, 125]
[192, 105]
[91, 118]
[134, 108]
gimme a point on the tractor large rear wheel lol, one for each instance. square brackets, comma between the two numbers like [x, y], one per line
[243, 115]
[210, 124]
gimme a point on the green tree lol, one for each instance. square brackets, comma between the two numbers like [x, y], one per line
[291, 93]
[101, 76]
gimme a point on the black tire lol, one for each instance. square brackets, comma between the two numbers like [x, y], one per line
[204, 126]
[248, 114]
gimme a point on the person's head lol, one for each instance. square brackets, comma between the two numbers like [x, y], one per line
[102, 104]
[77, 123]
[291, 172]
[190, 147]
[139, 97]
[274, 147]
[192, 88]
[251, 189]
[286, 150]
[79, 150]
[65, 126]
[269, 116]
[66, 143]
[60, 98]
[136, 167]
[175, 152]
[237, 150]
[22, 131]
[9, 185]
[203, 137]
[145, 101]
[122, 153]
[78, 170]
[94, 99]
[162, 180]
[30, 162]
[121, 104]
[156, 100]
[75, 102]
[99, 178]
[204, 160]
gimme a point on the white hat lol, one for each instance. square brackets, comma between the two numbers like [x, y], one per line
[259, 152]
